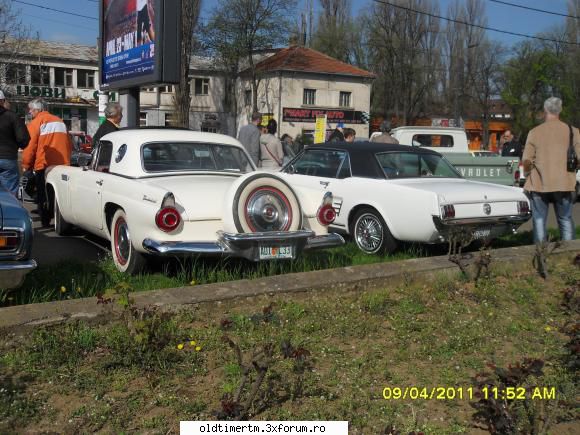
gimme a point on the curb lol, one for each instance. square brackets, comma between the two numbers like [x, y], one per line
[341, 279]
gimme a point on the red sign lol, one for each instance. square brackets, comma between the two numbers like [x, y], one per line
[290, 114]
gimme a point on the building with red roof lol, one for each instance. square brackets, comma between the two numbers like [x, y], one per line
[297, 83]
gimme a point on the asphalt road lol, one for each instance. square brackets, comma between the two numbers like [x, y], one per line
[49, 248]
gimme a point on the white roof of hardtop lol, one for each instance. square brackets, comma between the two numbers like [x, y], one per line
[141, 136]
[427, 127]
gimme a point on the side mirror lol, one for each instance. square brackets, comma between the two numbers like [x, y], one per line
[85, 160]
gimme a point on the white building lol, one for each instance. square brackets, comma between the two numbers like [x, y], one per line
[65, 75]
[296, 83]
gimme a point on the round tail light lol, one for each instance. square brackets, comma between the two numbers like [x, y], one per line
[326, 215]
[167, 219]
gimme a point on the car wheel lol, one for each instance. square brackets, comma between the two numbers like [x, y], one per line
[125, 257]
[61, 227]
[370, 232]
[264, 203]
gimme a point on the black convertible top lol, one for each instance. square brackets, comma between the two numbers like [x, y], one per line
[370, 147]
[362, 160]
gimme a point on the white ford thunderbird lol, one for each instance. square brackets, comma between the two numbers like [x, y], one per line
[387, 193]
[171, 192]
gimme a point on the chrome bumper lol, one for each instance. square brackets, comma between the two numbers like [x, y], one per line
[12, 273]
[245, 245]
[497, 225]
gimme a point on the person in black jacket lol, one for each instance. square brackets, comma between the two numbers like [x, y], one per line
[13, 135]
[511, 147]
[114, 114]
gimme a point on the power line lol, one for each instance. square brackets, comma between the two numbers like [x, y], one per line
[56, 10]
[59, 22]
[535, 9]
[479, 26]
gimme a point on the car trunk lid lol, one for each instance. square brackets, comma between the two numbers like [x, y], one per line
[200, 195]
[460, 191]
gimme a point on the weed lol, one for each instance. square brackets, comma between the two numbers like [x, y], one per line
[505, 405]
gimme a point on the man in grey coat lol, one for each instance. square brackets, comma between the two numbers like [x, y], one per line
[249, 136]
[385, 137]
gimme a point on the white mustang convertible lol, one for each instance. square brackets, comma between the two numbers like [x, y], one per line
[384, 193]
[171, 192]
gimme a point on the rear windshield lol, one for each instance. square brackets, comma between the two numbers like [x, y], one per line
[414, 165]
[187, 156]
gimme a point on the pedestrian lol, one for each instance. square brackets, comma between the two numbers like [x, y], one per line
[548, 181]
[349, 134]
[385, 137]
[249, 136]
[511, 147]
[288, 148]
[271, 147]
[113, 115]
[337, 134]
[49, 145]
[13, 135]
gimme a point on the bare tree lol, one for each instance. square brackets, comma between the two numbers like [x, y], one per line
[15, 39]
[462, 42]
[334, 29]
[182, 97]
[404, 48]
[239, 29]
[484, 81]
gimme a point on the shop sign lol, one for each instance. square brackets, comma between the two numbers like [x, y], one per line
[210, 117]
[37, 91]
[112, 96]
[290, 114]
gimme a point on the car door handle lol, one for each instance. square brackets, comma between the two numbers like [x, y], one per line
[324, 183]
[99, 182]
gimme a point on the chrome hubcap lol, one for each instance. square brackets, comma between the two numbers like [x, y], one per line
[268, 211]
[123, 242]
[369, 233]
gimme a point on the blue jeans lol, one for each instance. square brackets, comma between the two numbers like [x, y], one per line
[9, 175]
[563, 208]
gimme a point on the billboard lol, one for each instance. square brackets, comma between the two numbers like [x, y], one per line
[139, 42]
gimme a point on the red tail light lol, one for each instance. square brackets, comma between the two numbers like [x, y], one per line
[517, 175]
[326, 215]
[448, 211]
[523, 207]
[168, 219]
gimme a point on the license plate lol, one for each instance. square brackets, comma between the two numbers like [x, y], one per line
[481, 233]
[274, 252]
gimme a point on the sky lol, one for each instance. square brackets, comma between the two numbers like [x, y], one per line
[58, 26]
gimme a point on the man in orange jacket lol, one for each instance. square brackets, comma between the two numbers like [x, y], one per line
[49, 145]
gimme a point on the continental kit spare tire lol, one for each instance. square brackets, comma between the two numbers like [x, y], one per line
[265, 203]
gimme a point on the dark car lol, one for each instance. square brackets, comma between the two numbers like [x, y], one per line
[15, 241]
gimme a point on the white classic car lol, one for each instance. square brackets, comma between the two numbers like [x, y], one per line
[172, 192]
[387, 193]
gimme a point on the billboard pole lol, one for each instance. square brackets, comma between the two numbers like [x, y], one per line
[129, 100]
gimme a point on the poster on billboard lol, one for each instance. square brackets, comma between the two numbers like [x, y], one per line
[135, 50]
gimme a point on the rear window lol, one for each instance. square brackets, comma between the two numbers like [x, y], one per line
[433, 140]
[414, 165]
[186, 156]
